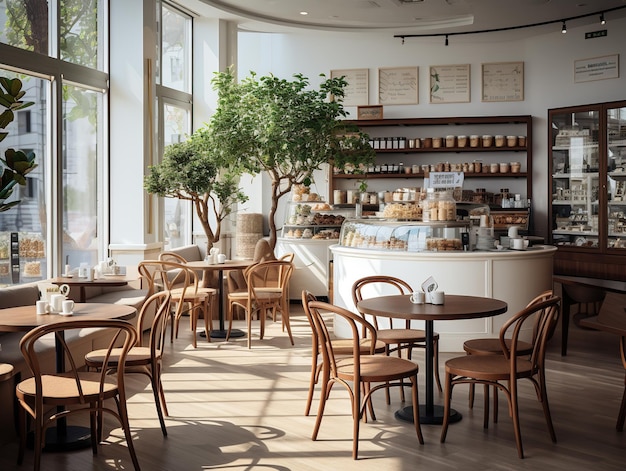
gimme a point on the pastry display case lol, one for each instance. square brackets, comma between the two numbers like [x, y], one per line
[408, 236]
[315, 220]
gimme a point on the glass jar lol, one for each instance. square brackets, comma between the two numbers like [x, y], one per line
[438, 206]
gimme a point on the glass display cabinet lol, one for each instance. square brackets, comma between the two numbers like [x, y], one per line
[587, 158]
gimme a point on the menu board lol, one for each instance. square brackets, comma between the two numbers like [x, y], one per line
[503, 81]
[450, 83]
[398, 86]
[356, 92]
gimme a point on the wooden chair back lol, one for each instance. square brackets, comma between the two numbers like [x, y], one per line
[377, 285]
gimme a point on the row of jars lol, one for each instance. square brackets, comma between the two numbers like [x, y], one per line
[467, 167]
[450, 141]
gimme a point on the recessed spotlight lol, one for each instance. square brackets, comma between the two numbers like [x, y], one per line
[304, 13]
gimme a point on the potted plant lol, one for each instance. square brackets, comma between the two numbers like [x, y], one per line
[16, 162]
[286, 129]
[190, 171]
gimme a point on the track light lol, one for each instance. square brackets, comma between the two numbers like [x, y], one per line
[446, 39]
[602, 20]
[564, 28]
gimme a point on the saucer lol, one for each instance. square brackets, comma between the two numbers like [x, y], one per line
[66, 314]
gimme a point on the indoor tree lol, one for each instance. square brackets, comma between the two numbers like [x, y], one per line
[191, 171]
[284, 128]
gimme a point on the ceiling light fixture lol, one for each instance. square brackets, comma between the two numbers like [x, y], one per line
[511, 28]
[304, 13]
[602, 20]
[446, 39]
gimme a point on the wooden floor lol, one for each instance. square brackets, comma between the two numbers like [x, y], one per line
[237, 409]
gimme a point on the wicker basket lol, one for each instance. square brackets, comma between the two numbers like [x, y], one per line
[249, 231]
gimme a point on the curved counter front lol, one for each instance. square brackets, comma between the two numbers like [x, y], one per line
[510, 275]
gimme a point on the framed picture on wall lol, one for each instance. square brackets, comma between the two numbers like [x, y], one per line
[398, 85]
[503, 81]
[357, 91]
[450, 83]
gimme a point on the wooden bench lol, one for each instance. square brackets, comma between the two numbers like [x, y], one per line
[577, 290]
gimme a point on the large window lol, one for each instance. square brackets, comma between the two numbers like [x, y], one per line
[62, 206]
[174, 100]
[23, 235]
[82, 154]
[175, 70]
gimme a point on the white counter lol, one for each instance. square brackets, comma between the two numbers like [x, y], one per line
[512, 276]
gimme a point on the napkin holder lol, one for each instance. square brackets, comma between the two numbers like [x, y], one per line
[429, 287]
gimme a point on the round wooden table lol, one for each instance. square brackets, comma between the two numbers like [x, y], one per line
[207, 268]
[25, 318]
[455, 307]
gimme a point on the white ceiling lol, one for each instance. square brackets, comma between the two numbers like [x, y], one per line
[399, 17]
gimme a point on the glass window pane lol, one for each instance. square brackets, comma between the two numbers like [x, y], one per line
[24, 24]
[82, 118]
[80, 32]
[177, 226]
[175, 64]
[25, 259]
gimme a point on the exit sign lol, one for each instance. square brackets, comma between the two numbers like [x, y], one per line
[595, 34]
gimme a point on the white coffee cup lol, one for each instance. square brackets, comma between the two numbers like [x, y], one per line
[42, 307]
[56, 302]
[438, 297]
[67, 306]
[418, 297]
[518, 244]
[221, 258]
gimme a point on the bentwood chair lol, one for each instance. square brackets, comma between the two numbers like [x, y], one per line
[72, 390]
[266, 284]
[491, 346]
[341, 347]
[504, 371]
[208, 287]
[145, 357]
[187, 297]
[396, 338]
[357, 372]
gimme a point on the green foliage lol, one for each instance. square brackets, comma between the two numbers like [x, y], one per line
[284, 128]
[191, 171]
[16, 163]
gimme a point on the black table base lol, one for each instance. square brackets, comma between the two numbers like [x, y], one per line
[221, 334]
[68, 438]
[436, 418]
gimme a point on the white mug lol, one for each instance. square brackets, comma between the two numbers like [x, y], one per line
[221, 258]
[438, 297]
[56, 302]
[68, 306]
[517, 244]
[418, 297]
[42, 307]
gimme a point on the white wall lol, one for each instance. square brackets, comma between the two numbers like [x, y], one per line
[548, 69]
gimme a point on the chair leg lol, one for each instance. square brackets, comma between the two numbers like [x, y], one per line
[486, 406]
[402, 398]
[158, 397]
[546, 407]
[515, 416]
[312, 382]
[21, 421]
[356, 419]
[284, 314]
[123, 414]
[322, 404]
[447, 393]
[436, 364]
[416, 409]
[622, 411]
